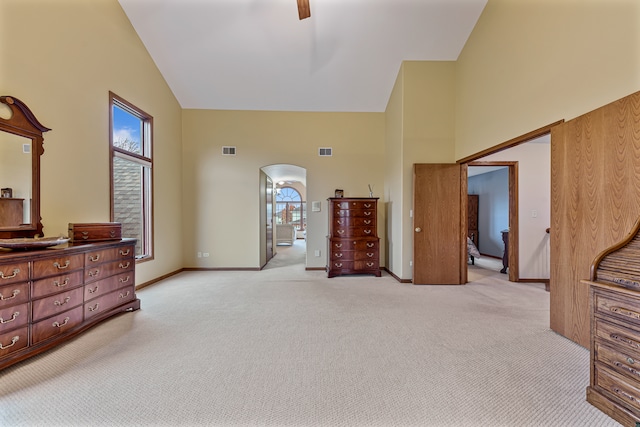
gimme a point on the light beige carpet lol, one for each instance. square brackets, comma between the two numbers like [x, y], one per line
[289, 347]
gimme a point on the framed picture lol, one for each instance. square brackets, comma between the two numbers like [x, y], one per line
[339, 193]
[6, 193]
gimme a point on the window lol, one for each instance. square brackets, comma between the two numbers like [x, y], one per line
[131, 173]
[290, 209]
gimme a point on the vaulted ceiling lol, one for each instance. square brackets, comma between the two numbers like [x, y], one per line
[257, 54]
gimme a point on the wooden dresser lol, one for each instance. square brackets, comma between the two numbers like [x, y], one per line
[614, 289]
[48, 296]
[353, 243]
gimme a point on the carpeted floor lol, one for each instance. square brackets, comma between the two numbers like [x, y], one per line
[289, 347]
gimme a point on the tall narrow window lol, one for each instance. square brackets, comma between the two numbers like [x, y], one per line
[290, 209]
[132, 173]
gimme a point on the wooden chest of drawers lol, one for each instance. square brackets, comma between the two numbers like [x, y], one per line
[614, 292]
[353, 243]
[48, 296]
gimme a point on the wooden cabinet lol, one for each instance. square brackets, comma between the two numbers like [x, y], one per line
[11, 212]
[353, 243]
[614, 289]
[48, 296]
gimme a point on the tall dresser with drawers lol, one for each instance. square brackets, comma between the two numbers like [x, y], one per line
[48, 296]
[353, 243]
[614, 290]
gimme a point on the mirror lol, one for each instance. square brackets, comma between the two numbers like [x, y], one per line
[21, 145]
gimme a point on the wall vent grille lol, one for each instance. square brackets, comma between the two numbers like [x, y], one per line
[228, 151]
[325, 151]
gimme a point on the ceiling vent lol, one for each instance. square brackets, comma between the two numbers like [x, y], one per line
[228, 151]
[325, 151]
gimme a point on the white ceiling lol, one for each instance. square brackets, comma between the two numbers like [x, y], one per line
[257, 54]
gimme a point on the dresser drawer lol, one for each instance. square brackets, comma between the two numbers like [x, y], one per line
[12, 273]
[617, 336]
[345, 221]
[623, 363]
[57, 266]
[14, 317]
[108, 301]
[341, 265]
[56, 325]
[342, 255]
[101, 287]
[106, 255]
[54, 284]
[13, 341]
[58, 303]
[371, 255]
[16, 293]
[355, 213]
[366, 245]
[621, 307]
[367, 265]
[617, 387]
[102, 271]
[355, 204]
[354, 232]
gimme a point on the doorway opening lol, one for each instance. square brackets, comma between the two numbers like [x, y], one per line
[286, 213]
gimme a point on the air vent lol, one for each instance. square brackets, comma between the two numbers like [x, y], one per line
[324, 151]
[228, 151]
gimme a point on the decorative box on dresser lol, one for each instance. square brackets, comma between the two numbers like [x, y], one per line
[48, 296]
[614, 289]
[353, 243]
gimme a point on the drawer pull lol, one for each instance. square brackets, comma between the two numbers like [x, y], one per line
[121, 265]
[371, 264]
[367, 221]
[13, 295]
[94, 259]
[626, 368]
[338, 245]
[370, 255]
[340, 231]
[367, 213]
[625, 340]
[367, 231]
[14, 274]
[13, 341]
[112, 233]
[367, 205]
[61, 267]
[124, 280]
[123, 253]
[339, 255]
[625, 312]
[59, 285]
[94, 273]
[94, 308]
[94, 290]
[13, 317]
[125, 295]
[338, 264]
[60, 325]
[340, 222]
[66, 300]
[624, 394]
[370, 245]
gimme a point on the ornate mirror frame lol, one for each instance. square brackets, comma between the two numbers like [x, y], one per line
[24, 123]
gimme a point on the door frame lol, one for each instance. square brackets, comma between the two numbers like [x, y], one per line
[514, 233]
[477, 157]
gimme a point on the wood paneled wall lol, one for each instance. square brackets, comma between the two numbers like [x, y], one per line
[595, 201]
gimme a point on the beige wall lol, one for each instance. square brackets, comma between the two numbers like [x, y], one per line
[531, 63]
[221, 193]
[62, 58]
[422, 133]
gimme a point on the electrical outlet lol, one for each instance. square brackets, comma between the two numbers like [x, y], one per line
[410, 263]
[317, 252]
[534, 214]
[199, 254]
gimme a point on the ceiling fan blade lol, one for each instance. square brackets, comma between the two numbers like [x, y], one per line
[304, 11]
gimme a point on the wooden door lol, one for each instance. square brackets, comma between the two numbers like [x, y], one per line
[439, 224]
[472, 219]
